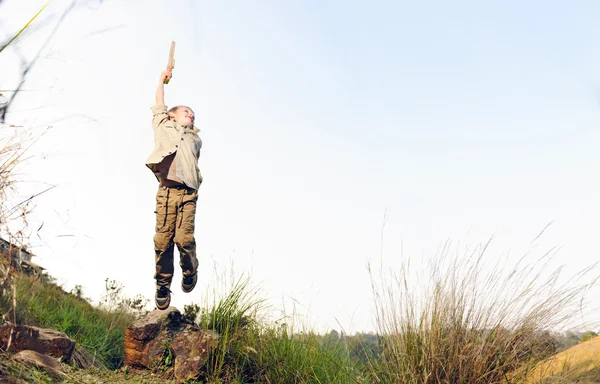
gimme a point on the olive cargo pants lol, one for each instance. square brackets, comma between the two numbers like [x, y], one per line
[175, 214]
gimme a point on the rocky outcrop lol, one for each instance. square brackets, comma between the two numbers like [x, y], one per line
[163, 333]
[45, 341]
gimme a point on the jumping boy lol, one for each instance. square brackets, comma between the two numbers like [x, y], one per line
[174, 162]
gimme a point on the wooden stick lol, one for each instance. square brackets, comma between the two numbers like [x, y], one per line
[171, 62]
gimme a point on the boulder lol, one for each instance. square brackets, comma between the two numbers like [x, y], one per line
[45, 341]
[149, 339]
[45, 362]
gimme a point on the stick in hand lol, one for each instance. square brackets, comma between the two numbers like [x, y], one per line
[171, 62]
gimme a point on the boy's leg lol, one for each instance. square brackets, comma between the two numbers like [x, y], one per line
[166, 215]
[184, 233]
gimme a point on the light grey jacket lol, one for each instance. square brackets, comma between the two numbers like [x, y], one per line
[170, 137]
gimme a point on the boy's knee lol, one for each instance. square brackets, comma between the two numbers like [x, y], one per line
[185, 240]
[162, 241]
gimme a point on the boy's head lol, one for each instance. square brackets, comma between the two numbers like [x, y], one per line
[182, 114]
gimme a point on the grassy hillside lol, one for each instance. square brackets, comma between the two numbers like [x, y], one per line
[248, 351]
[580, 363]
[445, 336]
[100, 331]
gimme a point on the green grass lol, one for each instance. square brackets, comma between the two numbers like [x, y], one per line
[249, 350]
[253, 350]
[304, 358]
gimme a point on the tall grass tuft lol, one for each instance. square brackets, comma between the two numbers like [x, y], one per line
[473, 321]
[235, 317]
[254, 350]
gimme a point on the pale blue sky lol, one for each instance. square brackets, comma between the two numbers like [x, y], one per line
[461, 120]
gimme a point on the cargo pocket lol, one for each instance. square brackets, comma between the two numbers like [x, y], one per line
[161, 209]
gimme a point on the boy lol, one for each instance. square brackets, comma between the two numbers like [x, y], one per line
[174, 162]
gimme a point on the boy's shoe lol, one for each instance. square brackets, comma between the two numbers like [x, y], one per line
[162, 297]
[189, 282]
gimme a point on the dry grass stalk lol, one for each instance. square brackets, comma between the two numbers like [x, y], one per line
[474, 321]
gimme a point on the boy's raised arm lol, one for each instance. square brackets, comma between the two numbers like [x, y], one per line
[160, 90]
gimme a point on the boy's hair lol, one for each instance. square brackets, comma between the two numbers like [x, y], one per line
[175, 108]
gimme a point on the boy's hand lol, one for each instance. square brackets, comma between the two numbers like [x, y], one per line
[166, 76]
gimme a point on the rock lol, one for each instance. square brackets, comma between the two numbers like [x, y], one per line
[45, 362]
[148, 339]
[191, 348]
[45, 341]
[148, 326]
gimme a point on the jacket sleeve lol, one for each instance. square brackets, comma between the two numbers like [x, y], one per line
[159, 116]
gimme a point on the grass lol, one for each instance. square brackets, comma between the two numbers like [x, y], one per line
[252, 350]
[16, 35]
[450, 331]
[470, 322]
[248, 350]
[304, 358]
[10, 368]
